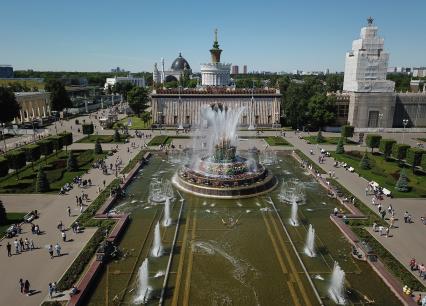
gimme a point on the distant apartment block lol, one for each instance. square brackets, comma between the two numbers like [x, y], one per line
[6, 71]
[245, 69]
[235, 69]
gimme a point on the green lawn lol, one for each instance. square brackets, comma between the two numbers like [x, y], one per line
[385, 173]
[55, 168]
[101, 138]
[327, 140]
[12, 218]
[277, 141]
[137, 123]
[160, 140]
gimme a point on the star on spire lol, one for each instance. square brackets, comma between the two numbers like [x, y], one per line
[370, 21]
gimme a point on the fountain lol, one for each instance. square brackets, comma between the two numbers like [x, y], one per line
[292, 190]
[157, 247]
[217, 171]
[268, 157]
[160, 190]
[166, 219]
[294, 220]
[336, 289]
[310, 242]
[143, 289]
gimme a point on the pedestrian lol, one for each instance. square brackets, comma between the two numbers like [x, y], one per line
[81, 209]
[9, 248]
[27, 244]
[50, 249]
[58, 249]
[69, 211]
[21, 285]
[54, 289]
[50, 290]
[16, 243]
[104, 183]
[406, 217]
[387, 231]
[64, 236]
[31, 245]
[27, 287]
[21, 245]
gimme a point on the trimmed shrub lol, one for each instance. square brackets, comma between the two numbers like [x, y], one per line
[88, 128]
[340, 149]
[347, 131]
[117, 136]
[320, 138]
[3, 215]
[57, 142]
[42, 183]
[66, 139]
[98, 147]
[16, 159]
[72, 162]
[414, 157]
[4, 166]
[46, 146]
[402, 183]
[423, 163]
[32, 152]
[399, 151]
[365, 162]
[373, 141]
[385, 147]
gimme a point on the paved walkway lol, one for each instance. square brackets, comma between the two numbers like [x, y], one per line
[407, 240]
[36, 265]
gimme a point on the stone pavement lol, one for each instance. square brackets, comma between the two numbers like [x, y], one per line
[408, 240]
[36, 265]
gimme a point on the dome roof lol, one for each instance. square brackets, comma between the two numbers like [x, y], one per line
[180, 63]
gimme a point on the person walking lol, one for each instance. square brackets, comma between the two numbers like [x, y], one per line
[64, 236]
[69, 211]
[31, 244]
[21, 285]
[9, 248]
[27, 287]
[50, 290]
[58, 249]
[50, 249]
[16, 243]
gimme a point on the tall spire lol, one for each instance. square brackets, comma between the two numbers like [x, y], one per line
[215, 51]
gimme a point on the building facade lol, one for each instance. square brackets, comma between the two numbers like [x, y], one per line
[373, 102]
[235, 69]
[179, 67]
[34, 105]
[6, 72]
[136, 81]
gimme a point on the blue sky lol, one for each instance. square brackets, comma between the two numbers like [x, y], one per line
[266, 35]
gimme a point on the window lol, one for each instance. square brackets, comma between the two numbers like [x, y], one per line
[187, 120]
[373, 119]
[175, 119]
[244, 120]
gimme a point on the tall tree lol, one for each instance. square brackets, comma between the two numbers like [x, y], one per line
[146, 117]
[3, 215]
[321, 110]
[138, 99]
[59, 99]
[122, 88]
[9, 108]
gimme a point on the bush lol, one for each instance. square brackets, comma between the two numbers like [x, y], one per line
[46, 147]
[16, 159]
[158, 140]
[3, 215]
[88, 129]
[32, 152]
[414, 157]
[385, 147]
[42, 183]
[373, 141]
[402, 183]
[340, 149]
[98, 147]
[399, 151]
[117, 136]
[320, 138]
[57, 142]
[72, 162]
[4, 166]
[423, 163]
[365, 162]
[66, 139]
[347, 131]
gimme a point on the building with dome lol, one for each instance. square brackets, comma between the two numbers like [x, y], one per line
[179, 67]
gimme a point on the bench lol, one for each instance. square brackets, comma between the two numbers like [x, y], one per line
[29, 217]
[386, 192]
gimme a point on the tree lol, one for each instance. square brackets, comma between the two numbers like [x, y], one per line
[402, 183]
[72, 162]
[9, 108]
[122, 88]
[385, 147]
[32, 153]
[423, 162]
[16, 160]
[42, 183]
[373, 141]
[414, 157]
[321, 110]
[138, 99]
[66, 139]
[117, 137]
[3, 215]
[334, 83]
[320, 138]
[98, 147]
[59, 99]
[347, 131]
[365, 161]
[146, 117]
[399, 151]
[4, 166]
[88, 128]
[340, 149]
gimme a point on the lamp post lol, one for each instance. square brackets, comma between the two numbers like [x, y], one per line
[404, 122]
[251, 127]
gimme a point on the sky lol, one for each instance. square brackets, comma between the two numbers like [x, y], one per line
[266, 35]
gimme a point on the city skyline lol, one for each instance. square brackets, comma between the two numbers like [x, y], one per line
[272, 36]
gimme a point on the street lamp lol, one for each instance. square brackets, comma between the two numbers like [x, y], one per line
[404, 122]
[251, 127]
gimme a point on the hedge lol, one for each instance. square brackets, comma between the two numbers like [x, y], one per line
[57, 142]
[66, 139]
[414, 157]
[32, 152]
[16, 159]
[4, 166]
[88, 128]
[347, 131]
[423, 163]
[385, 147]
[46, 146]
[399, 150]
[373, 141]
